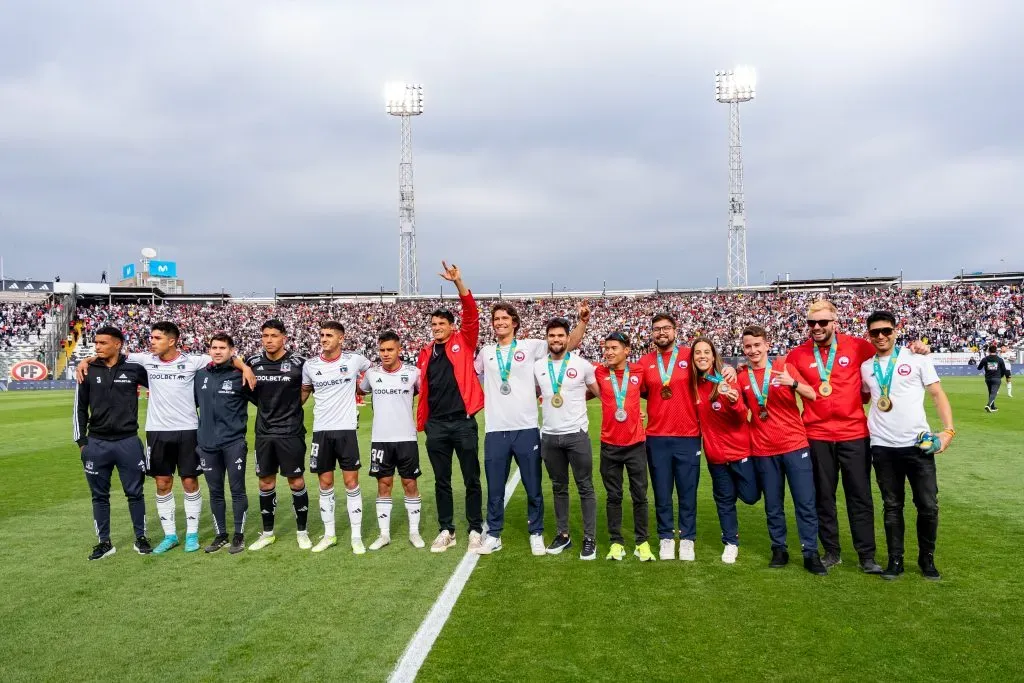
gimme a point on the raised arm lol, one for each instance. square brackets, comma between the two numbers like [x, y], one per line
[580, 331]
[470, 314]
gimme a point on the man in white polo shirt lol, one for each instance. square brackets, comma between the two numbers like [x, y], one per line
[902, 445]
[563, 379]
[510, 417]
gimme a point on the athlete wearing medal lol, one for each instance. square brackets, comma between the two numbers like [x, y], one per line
[779, 448]
[510, 421]
[565, 438]
[837, 431]
[622, 444]
[899, 455]
[723, 418]
[673, 436]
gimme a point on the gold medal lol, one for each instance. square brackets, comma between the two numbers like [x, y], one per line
[825, 389]
[884, 404]
[556, 401]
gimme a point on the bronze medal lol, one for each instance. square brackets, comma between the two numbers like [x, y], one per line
[763, 414]
[666, 392]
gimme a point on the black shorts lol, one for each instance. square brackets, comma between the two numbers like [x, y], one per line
[284, 454]
[332, 449]
[386, 455]
[170, 451]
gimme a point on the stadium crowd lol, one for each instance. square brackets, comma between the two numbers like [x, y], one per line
[21, 322]
[951, 318]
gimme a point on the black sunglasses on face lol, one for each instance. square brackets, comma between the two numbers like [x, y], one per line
[881, 332]
[818, 323]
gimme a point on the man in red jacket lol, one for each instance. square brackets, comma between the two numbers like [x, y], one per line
[450, 396]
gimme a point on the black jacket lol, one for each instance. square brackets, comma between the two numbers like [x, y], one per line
[994, 367]
[107, 401]
[223, 401]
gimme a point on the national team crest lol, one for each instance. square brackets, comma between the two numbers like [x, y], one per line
[520, 356]
[225, 385]
[634, 379]
[571, 373]
[716, 406]
[904, 370]
[844, 361]
[286, 367]
[683, 364]
[456, 348]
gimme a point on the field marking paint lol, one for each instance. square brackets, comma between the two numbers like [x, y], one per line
[423, 640]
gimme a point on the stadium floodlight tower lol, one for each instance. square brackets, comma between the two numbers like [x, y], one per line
[405, 100]
[733, 87]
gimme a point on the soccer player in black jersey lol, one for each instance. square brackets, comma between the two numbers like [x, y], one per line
[280, 430]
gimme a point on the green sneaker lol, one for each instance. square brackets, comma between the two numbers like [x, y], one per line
[165, 545]
[643, 552]
[616, 552]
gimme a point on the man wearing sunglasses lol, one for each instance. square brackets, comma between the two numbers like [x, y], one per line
[838, 432]
[898, 381]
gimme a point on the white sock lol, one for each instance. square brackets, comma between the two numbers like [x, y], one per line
[193, 508]
[412, 508]
[165, 508]
[327, 510]
[384, 515]
[355, 512]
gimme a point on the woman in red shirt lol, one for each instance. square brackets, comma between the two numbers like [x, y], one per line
[722, 413]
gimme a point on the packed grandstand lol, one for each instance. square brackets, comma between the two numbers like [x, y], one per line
[953, 318]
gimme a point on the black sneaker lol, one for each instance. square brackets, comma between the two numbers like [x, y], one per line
[831, 559]
[869, 566]
[142, 546]
[894, 569]
[812, 563]
[102, 549]
[927, 564]
[559, 543]
[219, 542]
[589, 551]
[237, 544]
[780, 558]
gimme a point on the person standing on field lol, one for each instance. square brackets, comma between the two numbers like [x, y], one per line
[995, 370]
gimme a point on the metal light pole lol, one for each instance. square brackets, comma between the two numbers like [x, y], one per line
[405, 100]
[733, 87]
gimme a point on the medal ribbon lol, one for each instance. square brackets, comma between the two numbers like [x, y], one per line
[620, 390]
[666, 375]
[714, 377]
[885, 381]
[556, 385]
[761, 392]
[505, 368]
[825, 373]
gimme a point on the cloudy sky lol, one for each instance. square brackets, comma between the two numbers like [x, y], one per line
[575, 142]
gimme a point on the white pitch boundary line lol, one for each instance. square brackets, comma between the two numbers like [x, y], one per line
[423, 640]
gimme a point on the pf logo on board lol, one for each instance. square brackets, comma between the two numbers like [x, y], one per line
[29, 370]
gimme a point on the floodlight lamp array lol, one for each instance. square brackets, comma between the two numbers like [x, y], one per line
[735, 85]
[403, 99]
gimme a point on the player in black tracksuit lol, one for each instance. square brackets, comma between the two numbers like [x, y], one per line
[223, 402]
[106, 429]
[995, 369]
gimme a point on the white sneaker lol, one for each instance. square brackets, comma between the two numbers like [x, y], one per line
[537, 545]
[476, 539]
[325, 543]
[357, 546]
[444, 540]
[265, 539]
[303, 539]
[686, 553]
[730, 553]
[490, 545]
[416, 540]
[381, 541]
[667, 549]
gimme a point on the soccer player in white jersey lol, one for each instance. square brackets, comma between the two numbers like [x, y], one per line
[510, 417]
[563, 379]
[393, 440]
[171, 429]
[902, 446]
[332, 378]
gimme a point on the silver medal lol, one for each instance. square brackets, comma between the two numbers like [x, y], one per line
[620, 415]
[506, 388]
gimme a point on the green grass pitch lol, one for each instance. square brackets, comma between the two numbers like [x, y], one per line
[283, 614]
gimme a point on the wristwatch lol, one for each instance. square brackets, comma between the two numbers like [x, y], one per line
[795, 384]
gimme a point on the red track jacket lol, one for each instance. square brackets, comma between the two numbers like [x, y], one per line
[460, 348]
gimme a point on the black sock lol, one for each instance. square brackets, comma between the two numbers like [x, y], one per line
[268, 504]
[300, 499]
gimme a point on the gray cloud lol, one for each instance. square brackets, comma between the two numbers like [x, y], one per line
[563, 142]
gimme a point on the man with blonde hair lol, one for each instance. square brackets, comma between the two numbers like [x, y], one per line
[838, 432]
